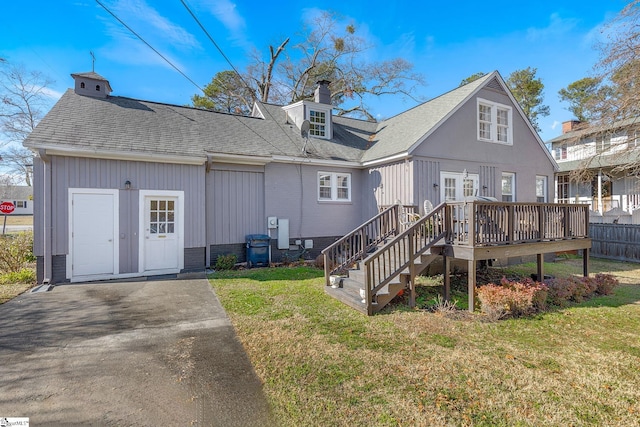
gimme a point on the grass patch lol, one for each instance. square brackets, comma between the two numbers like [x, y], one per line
[10, 291]
[323, 363]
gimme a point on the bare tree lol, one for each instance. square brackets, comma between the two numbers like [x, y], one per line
[334, 52]
[23, 103]
[619, 68]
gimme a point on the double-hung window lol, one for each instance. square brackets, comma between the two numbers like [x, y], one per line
[334, 186]
[317, 122]
[508, 187]
[541, 189]
[494, 122]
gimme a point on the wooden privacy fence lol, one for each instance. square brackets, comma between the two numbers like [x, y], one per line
[615, 241]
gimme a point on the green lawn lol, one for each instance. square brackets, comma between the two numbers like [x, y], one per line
[323, 363]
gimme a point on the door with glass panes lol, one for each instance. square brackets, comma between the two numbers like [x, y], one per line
[161, 243]
[456, 186]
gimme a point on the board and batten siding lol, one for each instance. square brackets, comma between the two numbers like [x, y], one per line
[74, 172]
[394, 183]
[235, 203]
[427, 173]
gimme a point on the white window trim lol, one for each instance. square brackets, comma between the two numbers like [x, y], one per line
[459, 178]
[545, 188]
[512, 175]
[321, 108]
[334, 186]
[493, 137]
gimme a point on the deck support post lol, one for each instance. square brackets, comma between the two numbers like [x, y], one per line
[446, 262]
[540, 261]
[585, 262]
[471, 282]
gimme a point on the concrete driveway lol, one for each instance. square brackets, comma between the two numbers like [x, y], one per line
[126, 354]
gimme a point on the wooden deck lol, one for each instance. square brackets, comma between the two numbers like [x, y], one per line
[384, 255]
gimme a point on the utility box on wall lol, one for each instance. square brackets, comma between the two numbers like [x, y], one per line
[283, 233]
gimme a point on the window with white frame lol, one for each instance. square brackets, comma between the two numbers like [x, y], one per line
[494, 122]
[333, 186]
[508, 187]
[541, 189]
[317, 121]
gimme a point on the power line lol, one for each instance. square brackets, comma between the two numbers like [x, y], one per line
[149, 46]
[194, 83]
[193, 15]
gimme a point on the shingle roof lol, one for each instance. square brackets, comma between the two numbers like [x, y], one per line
[126, 125]
[129, 125]
[399, 133]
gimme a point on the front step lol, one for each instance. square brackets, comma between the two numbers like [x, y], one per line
[349, 292]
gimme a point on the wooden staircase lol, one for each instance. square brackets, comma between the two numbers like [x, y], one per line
[376, 261]
[348, 287]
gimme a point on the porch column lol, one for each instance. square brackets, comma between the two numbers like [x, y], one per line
[471, 283]
[600, 207]
[585, 262]
[540, 260]
[446, 261]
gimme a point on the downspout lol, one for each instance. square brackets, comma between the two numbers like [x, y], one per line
[207, 246]
[46, 211]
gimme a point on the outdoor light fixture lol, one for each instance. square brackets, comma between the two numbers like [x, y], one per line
[435, 185]
[127, 185]
[484, 187]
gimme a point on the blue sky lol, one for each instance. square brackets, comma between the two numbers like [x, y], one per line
[446, 41]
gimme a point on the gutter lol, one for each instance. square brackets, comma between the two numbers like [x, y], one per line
[47, 228]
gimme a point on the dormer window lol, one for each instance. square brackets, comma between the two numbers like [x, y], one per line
[317, 120]
[81, 85]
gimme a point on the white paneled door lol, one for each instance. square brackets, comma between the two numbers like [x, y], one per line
[93, 244]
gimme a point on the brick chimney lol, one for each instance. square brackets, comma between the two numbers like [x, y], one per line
[322, 95]
[570, 126]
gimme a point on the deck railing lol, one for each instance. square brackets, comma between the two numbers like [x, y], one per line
[355, 245]
[480, 223]
[401, 253]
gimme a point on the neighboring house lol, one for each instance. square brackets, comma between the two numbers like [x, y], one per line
[20, 195]
[125, 187]
[610, 188]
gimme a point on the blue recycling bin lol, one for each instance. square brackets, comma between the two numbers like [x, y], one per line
[258, 250]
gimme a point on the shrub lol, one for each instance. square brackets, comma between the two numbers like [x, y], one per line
[493, 301]
[577, 289]
[26, 275]
[512, 298]
[605, 283]
[560, 291]
[16, 251]
[226, 262]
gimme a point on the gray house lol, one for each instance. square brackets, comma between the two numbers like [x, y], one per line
[124, 187]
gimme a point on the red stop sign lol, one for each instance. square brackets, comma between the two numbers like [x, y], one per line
[7, 207]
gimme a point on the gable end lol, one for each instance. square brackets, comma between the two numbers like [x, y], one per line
[495, 85]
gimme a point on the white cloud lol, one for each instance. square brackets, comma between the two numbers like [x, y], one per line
[555, 124]
[557, 26]
[145, 19]
[50, 93]
[228, 14]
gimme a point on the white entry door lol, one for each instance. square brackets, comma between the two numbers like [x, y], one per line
[162, 234]
[92, 224]
[456, 186]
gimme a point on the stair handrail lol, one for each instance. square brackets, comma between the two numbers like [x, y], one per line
[406, 247]
[350, 247]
